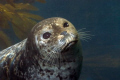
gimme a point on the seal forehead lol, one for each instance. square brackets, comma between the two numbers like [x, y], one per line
[55, 23]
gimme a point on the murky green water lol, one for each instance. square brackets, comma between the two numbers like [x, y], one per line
[102, 18]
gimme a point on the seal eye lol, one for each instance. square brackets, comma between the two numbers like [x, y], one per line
[65, 24]
[46, 35]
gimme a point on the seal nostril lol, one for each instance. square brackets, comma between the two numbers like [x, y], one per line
[64, 33]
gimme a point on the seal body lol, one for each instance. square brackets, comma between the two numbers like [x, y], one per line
[52, 51]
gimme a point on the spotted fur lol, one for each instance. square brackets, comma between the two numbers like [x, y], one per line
[59, 57]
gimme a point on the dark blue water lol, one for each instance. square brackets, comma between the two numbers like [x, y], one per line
[102, 18]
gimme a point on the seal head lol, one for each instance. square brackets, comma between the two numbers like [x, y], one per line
[53, 38]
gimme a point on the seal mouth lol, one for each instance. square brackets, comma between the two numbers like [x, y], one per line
[69, 45]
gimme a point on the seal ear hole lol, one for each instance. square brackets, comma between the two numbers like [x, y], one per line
[46, 35]
[65, 24]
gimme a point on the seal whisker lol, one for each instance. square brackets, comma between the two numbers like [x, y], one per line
[48, 57]
[54, 59]
[51, 58]
[55, 50]
[57, 57]
[84, 35]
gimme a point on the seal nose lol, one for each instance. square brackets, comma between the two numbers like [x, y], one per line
[64, 33]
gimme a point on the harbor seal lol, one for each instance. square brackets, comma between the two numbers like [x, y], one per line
[52, 51]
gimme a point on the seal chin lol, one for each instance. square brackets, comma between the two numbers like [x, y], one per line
[69, 45]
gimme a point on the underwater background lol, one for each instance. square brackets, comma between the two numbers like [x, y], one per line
[101, 54]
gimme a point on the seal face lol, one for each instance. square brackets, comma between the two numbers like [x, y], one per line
[52, 51]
